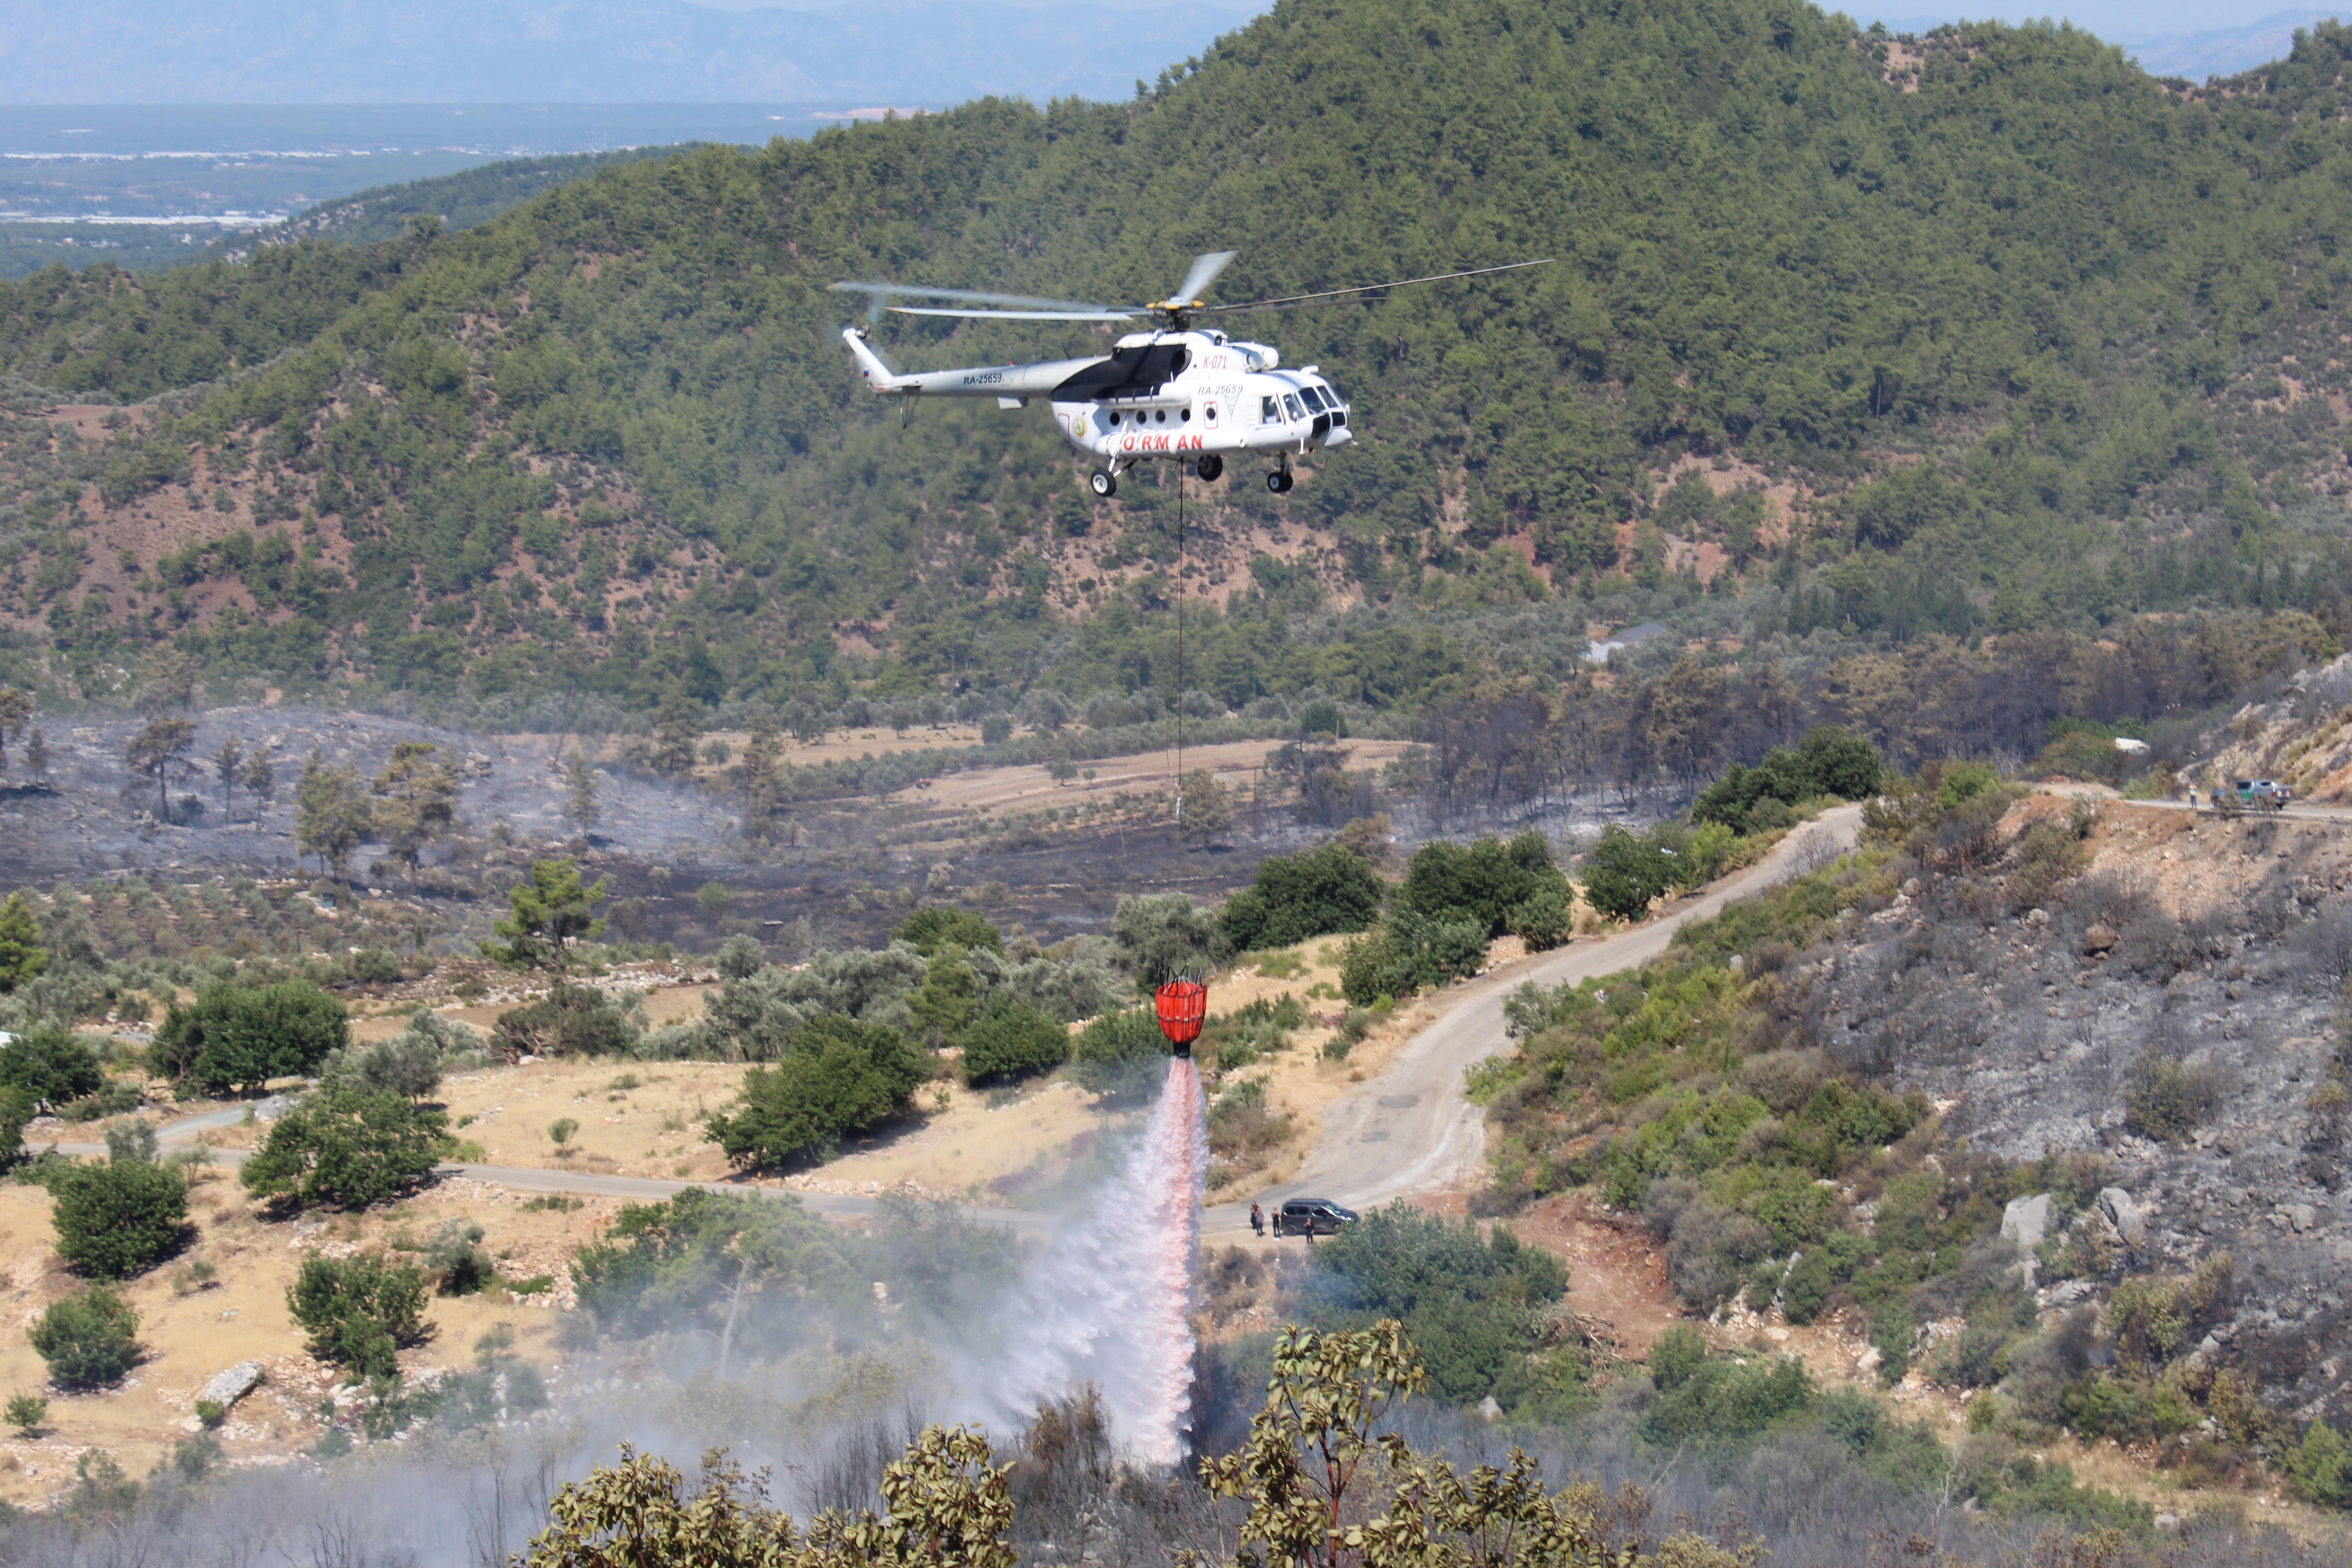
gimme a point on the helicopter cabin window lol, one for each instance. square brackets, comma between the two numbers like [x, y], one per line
[1291, 404]
[1269, 412]
[1314, 399]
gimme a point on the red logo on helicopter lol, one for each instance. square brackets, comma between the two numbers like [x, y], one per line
[1160, 443]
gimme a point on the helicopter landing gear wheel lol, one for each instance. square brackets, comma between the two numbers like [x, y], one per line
[1102, 484]
[1211, 468]
[1278, 481]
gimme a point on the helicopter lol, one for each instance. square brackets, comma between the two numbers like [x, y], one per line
[1178, 391]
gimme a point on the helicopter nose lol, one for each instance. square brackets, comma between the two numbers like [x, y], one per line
[1338, 435]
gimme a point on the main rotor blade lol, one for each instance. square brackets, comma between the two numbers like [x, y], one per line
[1204, 272]
[969, 295]
[1293, 300]
[1080, 314]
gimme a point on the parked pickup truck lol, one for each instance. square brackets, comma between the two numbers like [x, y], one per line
[2253, 794]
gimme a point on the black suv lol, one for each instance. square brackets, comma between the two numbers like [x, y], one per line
[1311, 1216]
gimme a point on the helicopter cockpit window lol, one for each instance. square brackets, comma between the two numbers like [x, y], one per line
[1269, 412]
[1291, 404]
[1314, 399]
[1331, 394]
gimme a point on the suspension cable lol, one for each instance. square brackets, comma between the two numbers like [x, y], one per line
[1180, 650]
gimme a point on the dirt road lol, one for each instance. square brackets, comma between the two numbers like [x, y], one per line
[1410, 1131]
[587, 1184]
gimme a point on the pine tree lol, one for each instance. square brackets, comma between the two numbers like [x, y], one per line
[158, 751]
[16, 712]
[677, 732]
[546, 912]
[762, 770]
[580, 800]
[229, 765]
[22, 956]
[261, 777]
[950, 998]
[331, 812]
[420, 799]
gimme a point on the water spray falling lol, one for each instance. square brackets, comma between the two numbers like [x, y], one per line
[1111, 1302]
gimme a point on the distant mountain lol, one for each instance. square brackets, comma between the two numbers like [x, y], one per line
[893, 52]
[459, 201]
[2225, 51]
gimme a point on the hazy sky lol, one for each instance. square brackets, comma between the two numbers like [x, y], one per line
[2122, 20]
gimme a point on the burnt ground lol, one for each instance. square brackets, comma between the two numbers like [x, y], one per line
[659, 842]
[2223, 947]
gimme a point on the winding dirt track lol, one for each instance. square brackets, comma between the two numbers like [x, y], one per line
[1409, 1131]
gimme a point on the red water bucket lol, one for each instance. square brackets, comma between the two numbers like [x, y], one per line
[1182, 1004]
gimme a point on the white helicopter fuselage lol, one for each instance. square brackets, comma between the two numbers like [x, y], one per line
[1181, 395]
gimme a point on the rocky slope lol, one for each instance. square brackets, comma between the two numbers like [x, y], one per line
[2173, 1009]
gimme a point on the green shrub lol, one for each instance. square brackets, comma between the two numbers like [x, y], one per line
[1829, 760]
[1674, 1355]
[928, 928]
[119, 1219]
[346, 1150]
[50, 1065]
[26, 1411]
[1892, 1332]
[1161, 934]
[836, 1076]
[359, 1310]
[1468, 1300]
[2321, 1466]
[569, 1021]
[409, 1064]
[1624, 873]
[1964, 782]
[113, 1098]
[2165, 1098]
[1256, 1028]
[1414, 952]
[455, 1259]
[1807, 1288]
[89, 1338]
[373, 966]
[1723, 1402]
[1011, 1040]
[240, 1036]
[1315, 892]
[1545, 920]
[1120, 1055]
[1483, 881]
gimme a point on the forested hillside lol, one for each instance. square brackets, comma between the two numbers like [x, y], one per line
[1847, 336]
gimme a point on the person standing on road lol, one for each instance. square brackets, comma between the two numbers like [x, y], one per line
[1257, 1221]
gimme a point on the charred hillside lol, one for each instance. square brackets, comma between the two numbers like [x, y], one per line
[2034, 1105]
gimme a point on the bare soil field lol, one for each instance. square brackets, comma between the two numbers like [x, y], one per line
[191, 1334]
[1028, 785]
